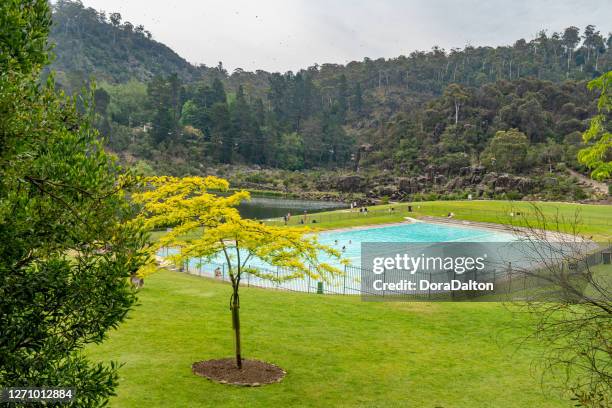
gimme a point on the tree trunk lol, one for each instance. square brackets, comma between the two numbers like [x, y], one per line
[456, 113]
[235, 308]
[588, 53]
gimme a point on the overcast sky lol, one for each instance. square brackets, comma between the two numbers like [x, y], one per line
[281, 35]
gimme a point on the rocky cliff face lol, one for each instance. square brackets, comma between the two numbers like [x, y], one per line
[474, 179]
[433, 183]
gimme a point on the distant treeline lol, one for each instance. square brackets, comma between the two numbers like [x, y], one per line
[435, 108]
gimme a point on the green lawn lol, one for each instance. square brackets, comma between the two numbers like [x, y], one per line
[595, 220]
[338, 351]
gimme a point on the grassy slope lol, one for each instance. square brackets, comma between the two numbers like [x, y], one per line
[595, 220]
[338, 351]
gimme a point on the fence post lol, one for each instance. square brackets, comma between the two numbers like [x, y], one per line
[384, 273]
[223, 272]
[344, 284]
[509, 276]
[494, 282]
[309, 272]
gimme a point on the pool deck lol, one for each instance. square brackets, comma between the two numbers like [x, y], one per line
[368, 226]
[509, 229]
[521, 232]
[464, 223]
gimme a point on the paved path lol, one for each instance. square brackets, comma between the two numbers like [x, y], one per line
[164, 263]
[519, 232]
[598, 186]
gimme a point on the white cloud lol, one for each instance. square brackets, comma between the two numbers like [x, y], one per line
[278, 35]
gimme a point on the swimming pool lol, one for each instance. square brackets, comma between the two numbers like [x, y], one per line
[351, 239]
[348, 242]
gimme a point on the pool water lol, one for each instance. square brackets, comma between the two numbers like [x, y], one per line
[351, 239]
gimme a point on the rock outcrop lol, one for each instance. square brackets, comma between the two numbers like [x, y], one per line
[351, 184]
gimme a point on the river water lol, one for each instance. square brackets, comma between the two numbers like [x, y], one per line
[272, 207]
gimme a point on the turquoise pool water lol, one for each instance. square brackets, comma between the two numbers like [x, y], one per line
[348, 242]
[351, 239]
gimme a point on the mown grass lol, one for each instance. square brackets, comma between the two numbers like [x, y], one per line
[593, 220]
[338, 351]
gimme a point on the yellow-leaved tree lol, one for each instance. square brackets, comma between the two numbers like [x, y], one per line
[207, 225]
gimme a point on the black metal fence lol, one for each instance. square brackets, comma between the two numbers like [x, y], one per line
[504, 278]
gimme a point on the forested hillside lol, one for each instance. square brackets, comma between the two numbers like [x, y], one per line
[426, 117]
[90, 42]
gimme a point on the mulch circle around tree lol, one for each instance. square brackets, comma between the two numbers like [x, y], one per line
[253, 373]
